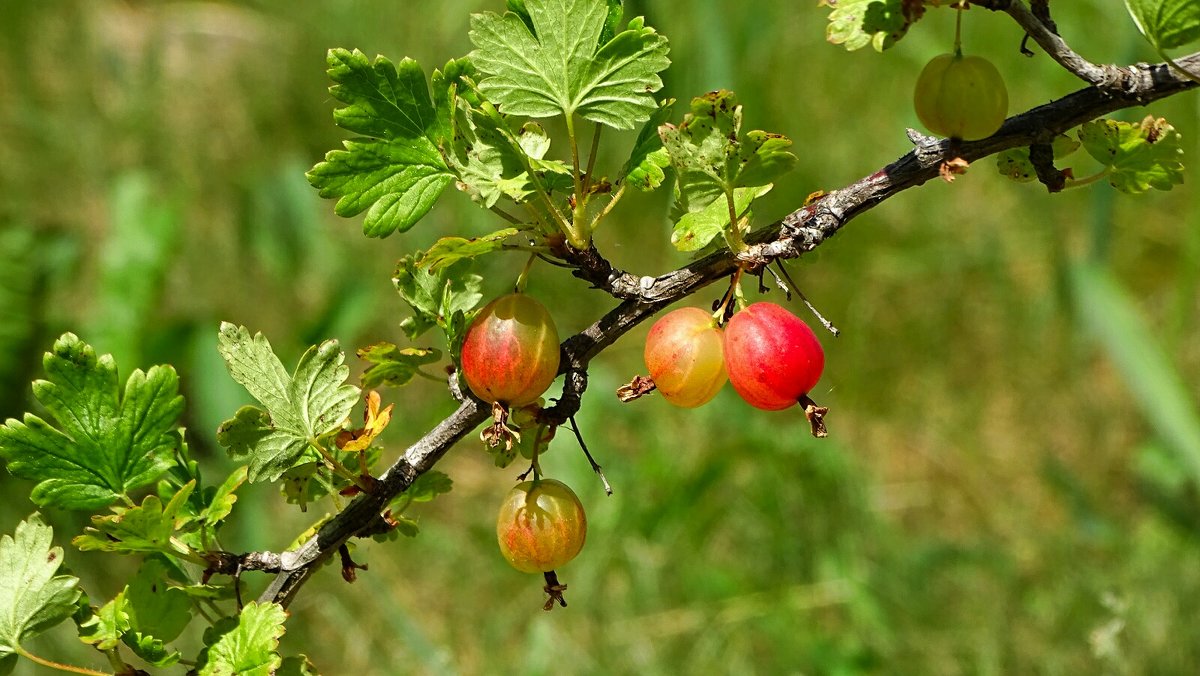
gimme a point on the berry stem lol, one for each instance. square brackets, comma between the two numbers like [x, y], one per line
[722, 311]
[958, 30]
[523, 278]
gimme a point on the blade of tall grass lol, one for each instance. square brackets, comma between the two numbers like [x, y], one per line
[1110, 316]
[134, 261]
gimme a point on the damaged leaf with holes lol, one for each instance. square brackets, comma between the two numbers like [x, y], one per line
[1139, 155]
[854, 24]
[1016, 165]
[443, 298]
[713, 159]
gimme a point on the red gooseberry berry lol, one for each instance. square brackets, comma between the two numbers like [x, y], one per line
[685, 356]
[772, 357]
[510, 353]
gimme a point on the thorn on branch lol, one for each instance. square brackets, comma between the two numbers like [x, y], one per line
[787, 291]
[237, 588]
[804, 299]
[595, 467]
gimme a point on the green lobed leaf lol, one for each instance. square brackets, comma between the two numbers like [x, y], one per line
[32, 597]
[246, 645]
[491, 158]
[696, 229]
[854, 24]
[1140, 156]
[709, 152]
[449, 250]
[712, 158]
[105, 444]
[306, 405]
[223, 498]
[644, 169]
[298, 485]
[395, 171]
[1016, 165]
[494, 164]
[396, 184]
[394, 366]
[556, 64]
[436, 296]
[146, 614]
[145, 528]
[1167, 24]
[155, 606]
[158, 613]
[107, 625]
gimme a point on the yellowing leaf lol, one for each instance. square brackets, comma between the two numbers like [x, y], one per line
[375, 422]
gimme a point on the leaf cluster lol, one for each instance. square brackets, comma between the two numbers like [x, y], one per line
[102, 446]
[1135, 156]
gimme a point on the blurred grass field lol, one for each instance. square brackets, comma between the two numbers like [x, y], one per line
[1012, 482]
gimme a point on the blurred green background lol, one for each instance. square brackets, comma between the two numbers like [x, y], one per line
[1012, 482]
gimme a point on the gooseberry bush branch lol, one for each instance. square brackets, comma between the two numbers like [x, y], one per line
[642, 296]
[474, 125]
